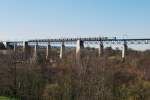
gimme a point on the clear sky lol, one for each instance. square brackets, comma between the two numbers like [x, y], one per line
[26, 19]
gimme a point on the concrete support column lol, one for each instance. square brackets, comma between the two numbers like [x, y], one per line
[124, 49]
[15, 45]
[7, 45]
[35, 50]
[79, 46]
[62, 50]
[101, 49]
[48, 50]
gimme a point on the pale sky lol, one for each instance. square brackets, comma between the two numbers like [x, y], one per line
[31, 19]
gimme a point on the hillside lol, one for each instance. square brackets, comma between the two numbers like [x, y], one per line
[91, 78]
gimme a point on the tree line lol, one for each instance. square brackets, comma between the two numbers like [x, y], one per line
[107, 77]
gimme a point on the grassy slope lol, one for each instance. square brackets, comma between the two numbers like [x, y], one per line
[6, 98]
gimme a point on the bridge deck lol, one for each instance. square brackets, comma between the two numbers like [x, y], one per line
[105, 39]
[86, 39]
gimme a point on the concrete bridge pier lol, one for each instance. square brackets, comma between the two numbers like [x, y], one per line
[124, 49]
[79, 46]
[14, 46]
[35, 53]
[101, 49]
[62, 50]
[7, 45]
[48, 50]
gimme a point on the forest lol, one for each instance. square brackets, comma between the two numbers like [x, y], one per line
[92, 77]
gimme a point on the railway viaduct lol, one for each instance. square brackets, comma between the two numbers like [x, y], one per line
[78, 42]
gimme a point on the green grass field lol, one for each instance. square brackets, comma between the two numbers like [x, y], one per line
[6, 98]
